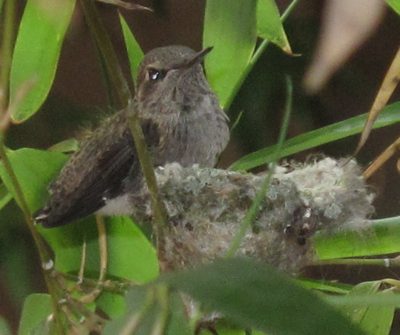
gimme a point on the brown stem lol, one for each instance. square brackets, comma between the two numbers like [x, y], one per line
[118, 81]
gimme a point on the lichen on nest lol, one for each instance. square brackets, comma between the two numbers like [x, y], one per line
[207, 206]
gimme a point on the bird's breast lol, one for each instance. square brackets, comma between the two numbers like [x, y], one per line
[197, 136]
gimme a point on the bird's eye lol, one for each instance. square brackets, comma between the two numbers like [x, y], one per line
[155, 74]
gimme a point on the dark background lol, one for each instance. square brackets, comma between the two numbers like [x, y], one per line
[78, 97]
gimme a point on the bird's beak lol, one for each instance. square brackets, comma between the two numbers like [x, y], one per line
[195, 59]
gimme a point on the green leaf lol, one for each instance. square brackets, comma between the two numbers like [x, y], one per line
[178, 321]
[390, 115]
[382, 237]
[135, 53]
[16, 267]
[258, 296]
[130, 255]
[5, 196]
[37, 308]
[230, 27]
[4, 327]
[67, 146]
[366, 288]
[322, 285]
[380, 299]
[269, 24]
[112, 304]
[67, 243]
[34, 170]
[223, 330]
[374, 320]
[395, 4]
[144, 306]
[138, 301]
[37, 49]
[378, 320]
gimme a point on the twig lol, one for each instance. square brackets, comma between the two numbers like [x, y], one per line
[115, 286]
[255, 207]
[388, 153]
[102, 238]
[115, 73]
[101, 228]
[385, 262]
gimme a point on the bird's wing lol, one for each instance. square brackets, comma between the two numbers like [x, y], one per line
[94, 174]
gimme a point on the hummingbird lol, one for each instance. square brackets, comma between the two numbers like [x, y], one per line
[182, 122]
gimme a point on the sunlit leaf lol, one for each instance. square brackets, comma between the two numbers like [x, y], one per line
[258, 296]
[67, 146]
[40, 37]
[37, 308]
[269, 24]
[229, 27]
[390, 115]
[135, 53]
[131, 255]
[383, 237]
[395, 4]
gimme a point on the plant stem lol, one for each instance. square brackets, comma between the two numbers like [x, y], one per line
[118, 286]
[148, 171]
[386, 262]
[45, 259]
[118, 81]
[255, 206]
[6, 53]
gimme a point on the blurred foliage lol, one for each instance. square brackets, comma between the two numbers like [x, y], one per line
[250, 295]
